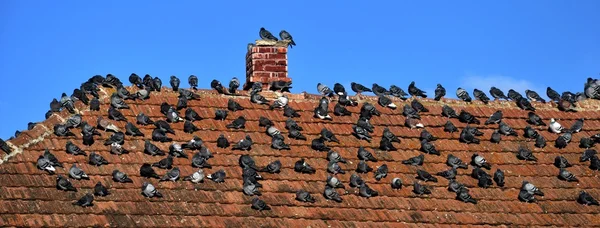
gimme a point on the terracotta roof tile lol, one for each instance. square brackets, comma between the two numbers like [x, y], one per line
[29, 196]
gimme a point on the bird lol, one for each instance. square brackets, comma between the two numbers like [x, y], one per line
[449, 127]
[499, 177]
[463, 195]
[132, 130]
[416, 161]
[428, 148]
[64, 184]
[266, 35]
[284, 35]
[530, 133]
[329, 136]
[250, 189]
[147, 171]
[171, 175]
[455, 162]
[121, 177]
[193, 81]
[196, 177]
[540, 141]
[148, 190]
[420, 189]
[340, 110]
[381, 172]
[74, 149]
[334, 182]
[466, 117]
[85, 201]
[514, 95]
[552, 94]
[358, 88]
[396, 183]
[192, 115]
[355, 180]
[524, 104]
[77, 173]
[165, 163]
[152, 149]
[555, 127]
[416, 92]
[534, 96]
[218, 176]
[495, 118]
[586, 199]
[366, 191]
[331, 194]
[496, 137]
[479, 161]
[45, 164]
[425, 176]
[525, 154]
[480, 95]
[96, 159]
[174, 81]
[273, 167]
[199, 161]
[243, 144]
[283, 86]
[386, 102]
[222, 142]
[565, 175]
[324, 90]
[449, 112]
[234, 84]
[302, 167]
[577, 126]
[440, 92]
[534, 119]
[425, 135]
[238, 123]
[463, 94]
[304, 196]
[67, 103]
[280, 102]
[398, 92]
[363, 167]
[505, 129]
[100, 190]
[379, 90]
[416, 105]
[365, 155]
[233, 105]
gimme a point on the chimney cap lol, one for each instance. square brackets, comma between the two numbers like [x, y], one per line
[280, 43]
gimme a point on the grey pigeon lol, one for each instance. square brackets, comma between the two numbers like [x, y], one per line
[143, 119]
[121, 177]
[85, 201]
[514, 95]
[331, 194]
[280, 102]
[174, 81]
[463, 195]
[64, 184]
[194, 144]
[152, 149]
[233, 105]
[284, 35]
[479, 161]
[97, 159]
[238, 123]
[398, 92]
[497, 94]
[480, 95]
[132, 130]
[304, 196]
[115, 114]
[555, 127]
[283, 86]
[196, 177]
[199, 161]
[266, 35]
[334, 182]
[577, 126]
[291, 124]
[448, 174]
[533, 96]
[244, 144]
[564, 174]
[525, 154]
[365, 155]
[171, 175]
[552, 94]
[416, 92]
[176, 150]
[390, 136]
[365, 191]
[504, 129]
[340, 110]
[540, 141]
[117, 137]
[381, 172]
[466, 117]
[44, 163]
[165, 163]
[463, 94]
[335, 157]
[361, 133]
[62, 130]
[100, 190]
[586, 199]
[324, 90]
[148, 190]
[530, 133]
[455, 162]
[322, 110]
[67, 103]
[363, 167]
[334, 168]
[273, 167]
[566, 106]
[182, 103]
[425, 135]
[192, 115]
[278, 143]
[587, 155]
[449, 127]
[563, 140]
[499, 177]
[496, 136]
[396, 183]
[495, 118]
[440, 92]
[290, 112]
[302, 167]
[77, 173]
[273, 131]
[425, 176]
[420, 189]
[358, 88]
[250, 189]
[73, 149]
[455, 186]
[255, 97]
[73, 121]
[417, 160]
[245, 161]
[265, 122]
[386, 102]
[379, 90]
[53, 160]
[117, 102]
[429, 148]
[218, 177]
[193, 81]
[355, 180]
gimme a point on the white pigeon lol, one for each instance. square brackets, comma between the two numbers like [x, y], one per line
[281, 102]
[196, 177]
[555, 126]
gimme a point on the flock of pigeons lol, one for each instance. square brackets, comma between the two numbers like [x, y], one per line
[251, 173]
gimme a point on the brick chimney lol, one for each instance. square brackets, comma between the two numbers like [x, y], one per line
[266, 62]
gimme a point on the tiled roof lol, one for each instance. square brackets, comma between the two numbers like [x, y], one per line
[28, 196]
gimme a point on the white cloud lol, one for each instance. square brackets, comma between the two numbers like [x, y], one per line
[504, 83]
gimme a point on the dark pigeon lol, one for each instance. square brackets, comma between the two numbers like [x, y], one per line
[361, 133]
[449, 127]
[273, 167]
[318, 144]
[340, 110]
[147, 171]
[290, 112]
[304, 196]
[266, 35]
[525, 154]
[64, 184]
[244, 144]
[115, 114]
[425, 176]
[365, 155]
[165, 163]
[363, 167]
[586, 199]
[455, 162]
[416, 92]
[534, 119]
[366, 192]
[466, 117]
[398, 92]
[96, 159]
[495, 118]
[425, 135]
[530, 133]
[497, 93]
[193, 81]
[420, 189]
[381, 172]
[152, 149]
[496, 137]
[233, 106]
[328, 136]
[499, 177]
[159, 135]
[302, 167]
[379, 90]
[533, 96]
[74, 149]
[238, 123]
[524, 104]
[100, 190]
[540, 141]
[514, 95]
[552, 94]
[85, 201]
[221, 114]
[417, 160]
[449, 112]
[355, 180]
[283, 86]
[358, 88]
[396, 183]
[428, 148]
[440, 92]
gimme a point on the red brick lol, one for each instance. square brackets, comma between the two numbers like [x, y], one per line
[275, 68]
[276, 56]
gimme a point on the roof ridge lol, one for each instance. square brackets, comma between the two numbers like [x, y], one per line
[45, 128]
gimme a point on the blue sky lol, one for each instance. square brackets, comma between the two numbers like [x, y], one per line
[50, 47]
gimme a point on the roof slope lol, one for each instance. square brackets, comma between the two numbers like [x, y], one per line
[29, 197]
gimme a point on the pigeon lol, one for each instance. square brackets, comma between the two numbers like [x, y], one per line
[218, 176]
[148, 190]
[563, 140]
[266, 35]
[381, 172]
[283, 86]
[189, 127]
[333, 182]
[117, 137]
[540, 141]
[565, 175]
[331, 194]
[117, 102]
[363, 167]
[463, 195]
[194, 144]
[494, 118]
[455, 162]
[417, 160]
[265, 122]
[273, 131]
[159, 135]
[291, 124]
[177, 151]
[355, 180]
[398, 92]
[196, 177]
[147, 171]
[525, 154]
[142, 94]
[45, 164]
[245, 161]
[484, 179]
[171, 175]
[328, 136]
[368, 110]
[290, 112]
[526, 196]
[577, 126]
[364, 123]
[216, 85]
[340, 110]
[466, 117]
[295, 134]
[566, 106]
[233, 106]
[425, 135]
[64, 184]
[440, 92]
[480, 95]
[222, 142]
[533, 96]
[530, 188]
[416, 92]
[97, 159]
[499, 177]
[199, 161]
[496, 137]
[115, 114]
[594, 163]
[514, 95]
[552, 94]
[244, 144]
[100, 190]
[132, 130]
[417, 106]
[77, 173]
[366, 192]
[221, 114]
[273, 167]
[85, 201]
[468, 135]
[73, 121]
[234, 85]
[479, 161]
[379, 90]
[390, 136]
[524, 104]
[250, 189]
[413, 123]
[535, 119]
[555, 127]
[278, 143]
[165, 163]
[530, 133]
[339, 89]
[449, 127]
[152, 149]
[239, 123]
[386, 145]
[304, 196]
[447, 111]
[586, 143]
[181, 103]
[587, 155]
[358, 88]
[586, 199]
[455, 186]
[280, 102]
[193, 81]
[504, 129]
[302, 167]
[73, 149]
[322, 110]
[463, 94]
[420, 189]
[67, 103]
[94, 104]
[361, 133]
[425, 176]
[324, 90]
[365, 155]
[121, 177]
[174, 81]
[62, 130]
[345, 100]
[428, 148]
[386, 102]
